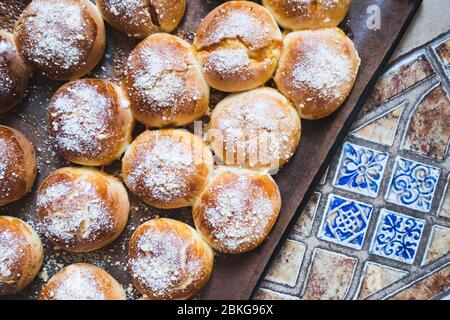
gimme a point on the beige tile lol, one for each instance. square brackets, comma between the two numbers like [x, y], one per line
[376, 277]
[304, 223]
[266, 294]
[330, 276]
[439, 244]
[428, 133]
[287, 265]
[381, 130]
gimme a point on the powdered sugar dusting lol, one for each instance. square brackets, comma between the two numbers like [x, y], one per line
[322, 70]
[164, 169]
[163, 262]
[256, 132]
[73, 211]
[240, 213]
[78, 284]
[159, 83]
[10, 253]
[81, 119]
[56, 34]
[228, 61]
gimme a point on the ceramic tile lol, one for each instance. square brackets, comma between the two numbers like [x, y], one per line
[412, 184]
[304, 223]
[266, 294]
[438, 245]
[397, 236]
[443, 52]
[444, 209]
[377, 277]
[330, 276]
[381, 130]
[360, 169]
[429, 128]
[345, 221]
[286, 266]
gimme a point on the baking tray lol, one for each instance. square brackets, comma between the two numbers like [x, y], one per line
[234, 276]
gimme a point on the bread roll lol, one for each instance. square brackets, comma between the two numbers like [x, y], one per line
[90, 122]
[317, 70]
[140, 18]
[164, 82]
[82, 281]
[82, 209]
[167, 168]
[238, 45]
[21, 255]
[62, 39]
[168, 260]
[17, 165]
[237, 210]
[258, 129]
[308, 14]
[14, 73]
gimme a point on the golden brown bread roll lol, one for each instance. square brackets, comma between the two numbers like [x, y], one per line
[308, 14]
[82, 209]
[62, 39]
[317, 70]
[237, 210]
[82, 281]
[17, 165]
[140, 18]
[238, 45]
[164, 82]
[21, 255]
[258, 129]
[168, 260]
[167, 168]
[14, 73]
[90, 121]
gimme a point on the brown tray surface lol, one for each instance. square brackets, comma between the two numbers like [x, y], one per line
[234, 276]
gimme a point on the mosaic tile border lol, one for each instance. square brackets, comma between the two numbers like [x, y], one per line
[407, 90]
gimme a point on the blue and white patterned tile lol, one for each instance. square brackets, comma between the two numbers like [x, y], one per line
[345, 221]
[397, 236]
[360, 170]
[412, 184]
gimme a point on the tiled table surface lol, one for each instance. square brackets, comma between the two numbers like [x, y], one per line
[378, 225]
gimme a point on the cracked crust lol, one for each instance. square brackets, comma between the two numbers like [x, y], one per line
[141, 18]
[72, 44]
[21, 255]
[14, 73]
[168, 260]
[82, 281]
[259, 129]
[238, 45]
[82, 209]
[308, 14]
[18, 165]
[164, 82]
[167, 168]
[90, 121]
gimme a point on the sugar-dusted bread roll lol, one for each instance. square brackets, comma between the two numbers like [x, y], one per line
[14, 73]
[164, 82]
[237, 210]
[90, 121]
[238, 45]
[168, 260]
[167, 168]
[62, 39]
[317, 70]
[82, 209]
[17, 165]
[258, 129]
[140, 18]
[308, 14]
[21, 255]
[82, 281]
